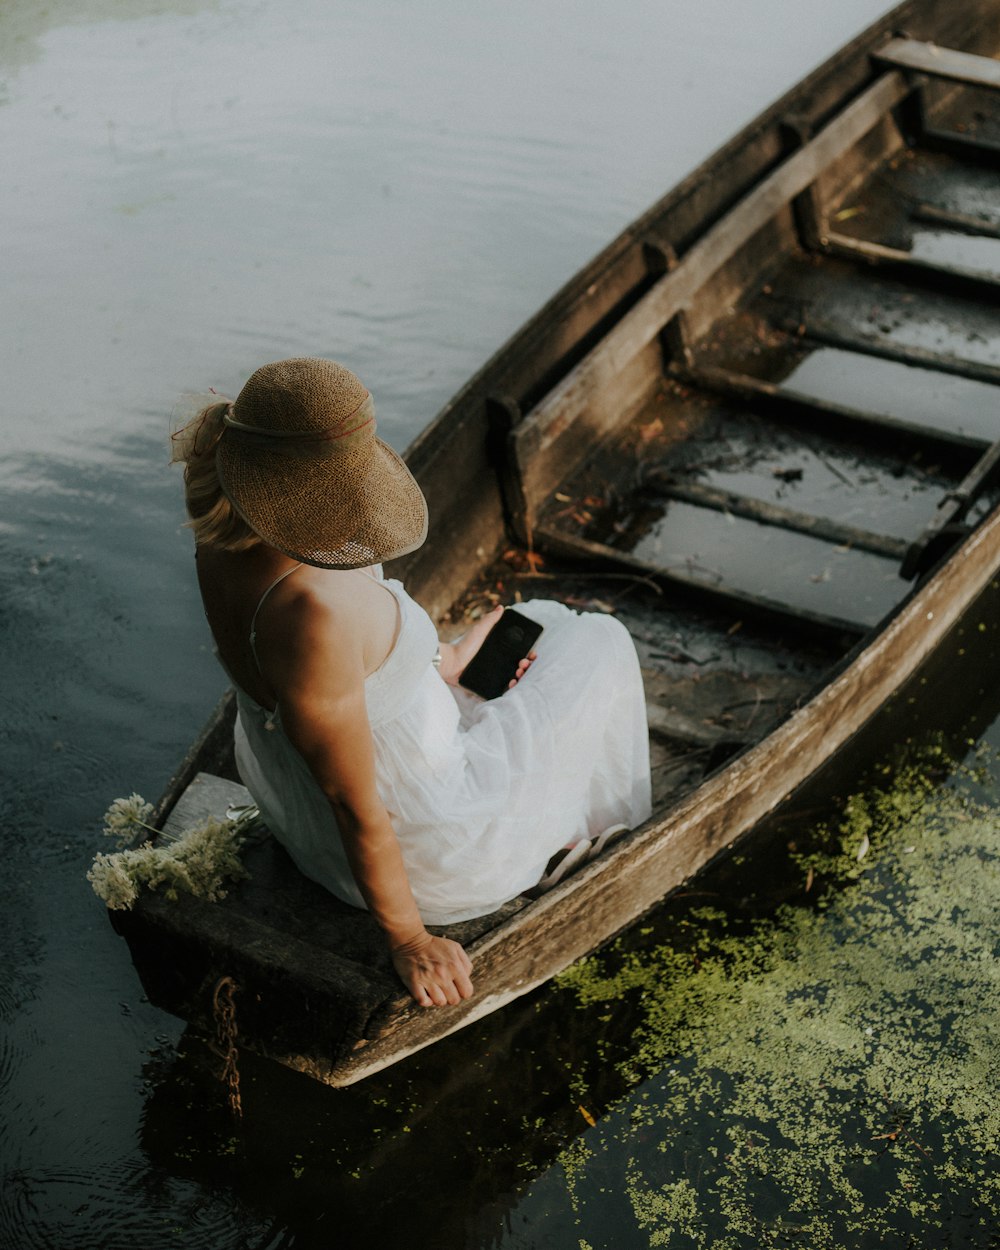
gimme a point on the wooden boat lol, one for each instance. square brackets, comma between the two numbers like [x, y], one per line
[761, 427]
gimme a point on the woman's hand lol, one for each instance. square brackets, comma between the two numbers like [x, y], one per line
[456, 655]
[434, 969]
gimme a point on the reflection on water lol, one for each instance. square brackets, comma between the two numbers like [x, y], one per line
[839, 582]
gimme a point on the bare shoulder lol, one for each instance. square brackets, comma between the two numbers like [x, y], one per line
[312, 630]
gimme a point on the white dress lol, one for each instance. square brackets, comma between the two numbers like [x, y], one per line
[480, 793]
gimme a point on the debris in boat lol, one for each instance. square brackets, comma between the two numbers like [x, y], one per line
[588, 603]
[649, 431]
[683, 657]
[523, 560]
[693, 565]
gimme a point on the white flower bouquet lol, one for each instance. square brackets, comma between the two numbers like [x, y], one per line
[199, 860]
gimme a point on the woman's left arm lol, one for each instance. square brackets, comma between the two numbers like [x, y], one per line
[455, 656]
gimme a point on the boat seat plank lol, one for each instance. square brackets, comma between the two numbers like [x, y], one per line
[784, 518]
[971, 283]
[785, 402]
[965, 146]
[276, 906]
[818, 330]
[581, 394]
[929, 58]
[737, 602]
[967, 223]
[207, 797]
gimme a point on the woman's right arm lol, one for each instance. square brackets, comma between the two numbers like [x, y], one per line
[320, 688]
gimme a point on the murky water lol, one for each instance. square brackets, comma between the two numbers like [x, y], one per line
[190, 189]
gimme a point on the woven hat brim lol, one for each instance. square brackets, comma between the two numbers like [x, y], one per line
[344, 512]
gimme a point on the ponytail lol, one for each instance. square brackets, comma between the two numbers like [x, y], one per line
[213, 518]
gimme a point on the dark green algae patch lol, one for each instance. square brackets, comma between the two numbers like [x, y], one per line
[822, 1074]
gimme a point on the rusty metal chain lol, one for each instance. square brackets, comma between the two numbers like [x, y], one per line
[224, 1013]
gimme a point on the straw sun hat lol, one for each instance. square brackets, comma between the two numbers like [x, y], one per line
[300, 463]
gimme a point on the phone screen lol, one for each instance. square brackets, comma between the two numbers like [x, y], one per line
[493, 667]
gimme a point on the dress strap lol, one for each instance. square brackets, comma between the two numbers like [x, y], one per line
[260, 603]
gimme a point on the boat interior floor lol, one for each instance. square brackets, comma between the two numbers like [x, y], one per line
[758, 507]
[770, 486]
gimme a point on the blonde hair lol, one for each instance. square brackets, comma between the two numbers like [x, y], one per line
[214, 520]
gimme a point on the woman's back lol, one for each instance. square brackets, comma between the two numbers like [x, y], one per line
[254, 599]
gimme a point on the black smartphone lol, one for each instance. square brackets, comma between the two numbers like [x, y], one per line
[493, 667]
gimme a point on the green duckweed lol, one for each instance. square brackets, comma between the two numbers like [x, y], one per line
[825, 1076]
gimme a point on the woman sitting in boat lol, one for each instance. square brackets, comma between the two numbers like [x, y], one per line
[384, 780]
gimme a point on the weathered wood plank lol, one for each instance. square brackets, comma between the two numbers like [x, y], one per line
[587, 390]
[737, 602]
[981, 475]
[952, 509]
[211, 751]
[956, 279]
[786, 402]
[595, 903]
[723, 705]
[207, 796]
[965, 222]
[767, 513]
[818, 331]
[928, 58]
[965, 147]
[668, 723]
[305, 1006]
